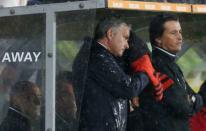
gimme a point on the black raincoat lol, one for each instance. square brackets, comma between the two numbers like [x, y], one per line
[174, 111]
[104, 104]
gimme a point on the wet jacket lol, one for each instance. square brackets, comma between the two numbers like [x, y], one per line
[107, 89]
[174, 111]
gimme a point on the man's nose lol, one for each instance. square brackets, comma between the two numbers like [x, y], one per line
[126, 45]
[179, 36]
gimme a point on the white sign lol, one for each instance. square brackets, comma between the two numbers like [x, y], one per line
[21, 56]
[12, 3]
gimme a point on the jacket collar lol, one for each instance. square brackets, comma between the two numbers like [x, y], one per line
[18, 112]
[164, 53]
[102, 45]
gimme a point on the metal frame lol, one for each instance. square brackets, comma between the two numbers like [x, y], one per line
[46, 8]
[50, 71]
[50, 11]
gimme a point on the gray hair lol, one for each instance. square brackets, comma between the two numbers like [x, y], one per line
[106, 24]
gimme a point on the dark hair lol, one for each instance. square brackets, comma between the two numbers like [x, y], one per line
[104, 25]
[22, 87]
[62, 78]
[65, 76]
[156, 27]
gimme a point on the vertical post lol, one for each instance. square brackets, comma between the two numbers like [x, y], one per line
[50, 71]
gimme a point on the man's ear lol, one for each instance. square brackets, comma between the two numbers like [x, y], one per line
[109, 34]
[158, 41]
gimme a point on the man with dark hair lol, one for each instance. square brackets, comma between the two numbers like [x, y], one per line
[108, 88]
[65, 103]
[24, 107]
[180, 102]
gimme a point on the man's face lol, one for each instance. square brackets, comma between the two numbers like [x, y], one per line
[32, 103]
[66, 100]
[171, 40]
[119, 41]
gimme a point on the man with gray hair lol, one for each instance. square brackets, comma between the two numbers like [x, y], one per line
[108, 88]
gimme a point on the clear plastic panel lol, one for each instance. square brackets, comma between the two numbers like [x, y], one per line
[193, 55]
[72, 28]
[22, 72]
